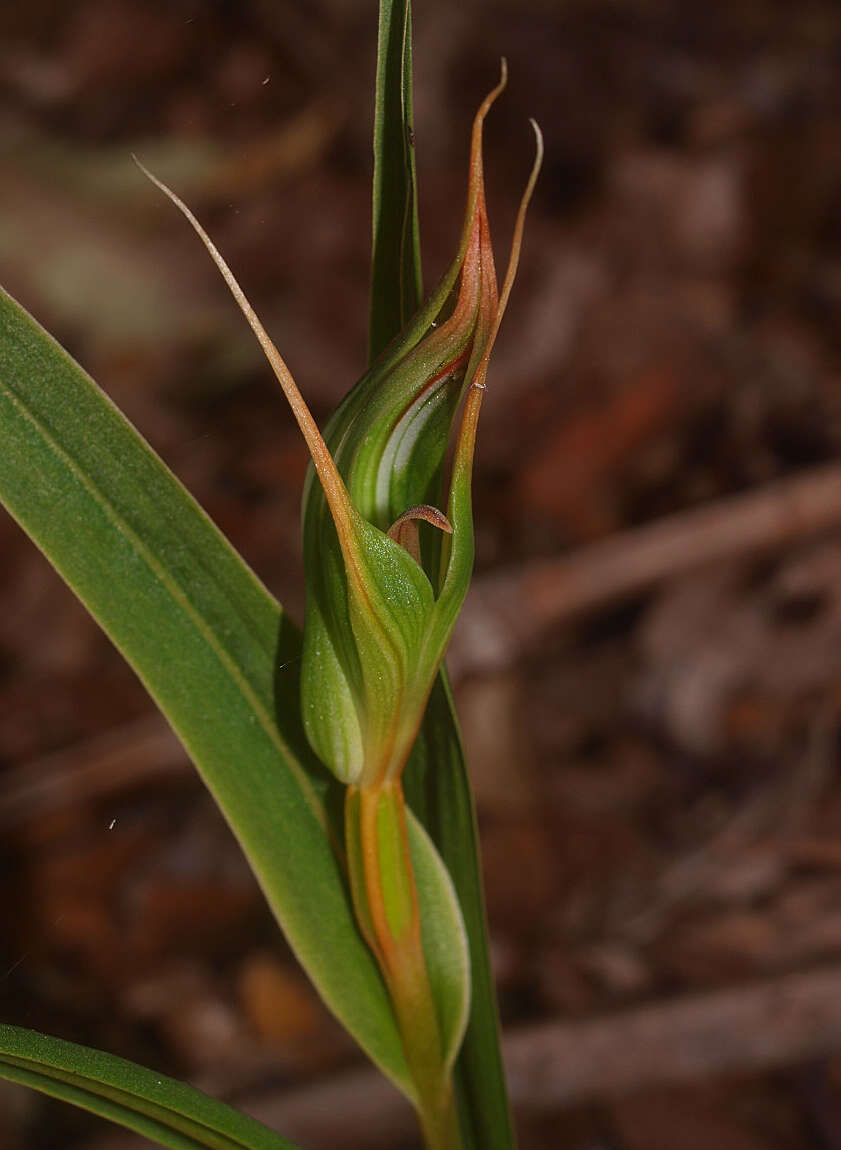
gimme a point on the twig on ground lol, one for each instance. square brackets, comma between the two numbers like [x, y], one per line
[505, 613]
[782, 1022]
[123, 757]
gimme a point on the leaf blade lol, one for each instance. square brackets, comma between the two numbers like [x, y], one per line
[436, 780]
[396, 282]
[204, 636]
[163, 1109]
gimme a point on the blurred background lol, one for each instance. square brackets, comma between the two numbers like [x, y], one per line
[649, 667]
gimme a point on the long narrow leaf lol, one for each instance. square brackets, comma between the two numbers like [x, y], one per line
[163, 1109]
[396, 285]
[206, 638]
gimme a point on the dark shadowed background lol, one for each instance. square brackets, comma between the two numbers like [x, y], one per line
[652, 714]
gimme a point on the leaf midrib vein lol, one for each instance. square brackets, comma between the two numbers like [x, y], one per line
[171, 585]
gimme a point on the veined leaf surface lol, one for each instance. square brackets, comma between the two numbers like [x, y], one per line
[396, 285]
[171, 1113]
[210, 643]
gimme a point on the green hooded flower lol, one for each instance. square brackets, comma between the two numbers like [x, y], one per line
[383, 593]
[384, 590]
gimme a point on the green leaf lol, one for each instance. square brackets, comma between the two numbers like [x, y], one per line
[163, 1109]
[206, 638]
[444, 938]
[396, 284]
[437, 788]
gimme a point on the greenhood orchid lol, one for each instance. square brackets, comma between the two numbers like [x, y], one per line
[388, 557]
[381, 604]
[381, 607]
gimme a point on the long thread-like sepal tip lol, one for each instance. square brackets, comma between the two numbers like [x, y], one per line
[334, 488]
[538, 135]
[516, 243]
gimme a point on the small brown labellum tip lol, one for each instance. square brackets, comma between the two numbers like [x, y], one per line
[404, 530]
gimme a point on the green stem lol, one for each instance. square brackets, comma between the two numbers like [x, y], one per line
[386, 904]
